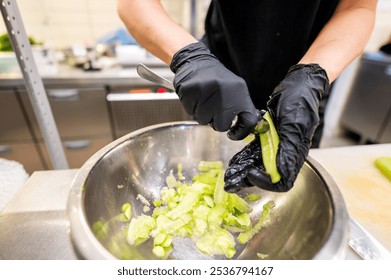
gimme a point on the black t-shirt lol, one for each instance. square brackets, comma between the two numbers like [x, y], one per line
[386, 48]
[260, 39]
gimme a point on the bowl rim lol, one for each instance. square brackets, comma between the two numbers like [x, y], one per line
[87, 245]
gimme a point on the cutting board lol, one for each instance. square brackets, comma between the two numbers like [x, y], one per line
[366, 191]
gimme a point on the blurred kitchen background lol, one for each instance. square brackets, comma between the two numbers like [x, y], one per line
[87, 62]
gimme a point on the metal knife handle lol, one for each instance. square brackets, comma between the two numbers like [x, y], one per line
[365, 245]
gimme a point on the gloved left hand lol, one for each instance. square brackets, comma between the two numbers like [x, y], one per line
[294, 108]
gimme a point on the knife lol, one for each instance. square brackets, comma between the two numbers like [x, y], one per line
[365, 245]
[150, 75]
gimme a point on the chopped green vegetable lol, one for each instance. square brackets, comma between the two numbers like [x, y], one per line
[238, 203]
[244, 237]
[140, 229]
[253, 197]
[205, 166]
[220, 196]
[180, 176]
[249, 138]
[171, 180]
[269, 145]
[217, 242]
[384, 165]
[127, 210]
[157, 203]
[202, 211]
[158, 251]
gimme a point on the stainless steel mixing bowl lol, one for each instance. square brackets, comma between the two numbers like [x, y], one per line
[308, 222]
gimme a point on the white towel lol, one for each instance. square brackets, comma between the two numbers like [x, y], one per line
[12, 178]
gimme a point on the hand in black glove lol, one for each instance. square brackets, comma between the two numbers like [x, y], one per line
[294, 108]
[211, 93]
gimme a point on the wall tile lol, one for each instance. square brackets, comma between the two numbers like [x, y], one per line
[62, 22]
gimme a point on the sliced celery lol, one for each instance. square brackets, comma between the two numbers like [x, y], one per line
[201, 210]
[269, 146]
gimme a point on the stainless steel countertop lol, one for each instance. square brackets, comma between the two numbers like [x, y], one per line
[72, 76]
[34, 225]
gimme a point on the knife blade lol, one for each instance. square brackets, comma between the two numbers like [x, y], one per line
[365, 245]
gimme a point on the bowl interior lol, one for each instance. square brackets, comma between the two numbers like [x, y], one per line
[301, 221]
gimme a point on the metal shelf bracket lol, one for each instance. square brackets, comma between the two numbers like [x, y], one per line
[33, 82]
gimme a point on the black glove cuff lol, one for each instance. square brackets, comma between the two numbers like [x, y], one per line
[315, 70]
[187, 53]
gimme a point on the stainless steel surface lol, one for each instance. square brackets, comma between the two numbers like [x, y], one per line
[154, 77]
[309, 222]
[15, 128]
[33, 82]
[79, 113]
[115, 76]
[365, 245]
[34, 224]
[134, 111]
[368, 108]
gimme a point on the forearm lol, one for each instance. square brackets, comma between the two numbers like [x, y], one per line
[152, 27]
[344, 37]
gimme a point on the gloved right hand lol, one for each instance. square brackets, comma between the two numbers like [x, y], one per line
[212, 93]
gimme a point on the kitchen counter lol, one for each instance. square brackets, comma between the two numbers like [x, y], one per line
[366, 191]
[35, 226]
[72, 76]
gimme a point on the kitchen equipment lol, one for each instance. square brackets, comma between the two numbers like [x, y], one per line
[367, 112]
[33, 82]
[365, 245]
[153, 77]
[308, 222]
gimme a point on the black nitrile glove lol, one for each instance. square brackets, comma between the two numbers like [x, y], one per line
[294, 108]
[249, 159]
[211, 93]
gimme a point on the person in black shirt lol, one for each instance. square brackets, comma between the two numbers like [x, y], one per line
[280, 56]
[386, 48]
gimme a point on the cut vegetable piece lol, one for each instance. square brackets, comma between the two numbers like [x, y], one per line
[253, 197]
[244, 220]
[180, 175]
[185, 205]
[209, 201]
[201, 212]
[140, 229]
[167, 242]
[384, 165]
[220, 196]
[157, 203]
[171, 180]
[209, 177]
[269, 146]
[127, 210]
[238, 203]
[158, 251]
[244, 237]
[159, 239]
[205, 166]
[216, 216]
[217, 242]
[166, 225]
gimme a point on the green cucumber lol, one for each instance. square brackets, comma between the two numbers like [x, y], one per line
[384, 165]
